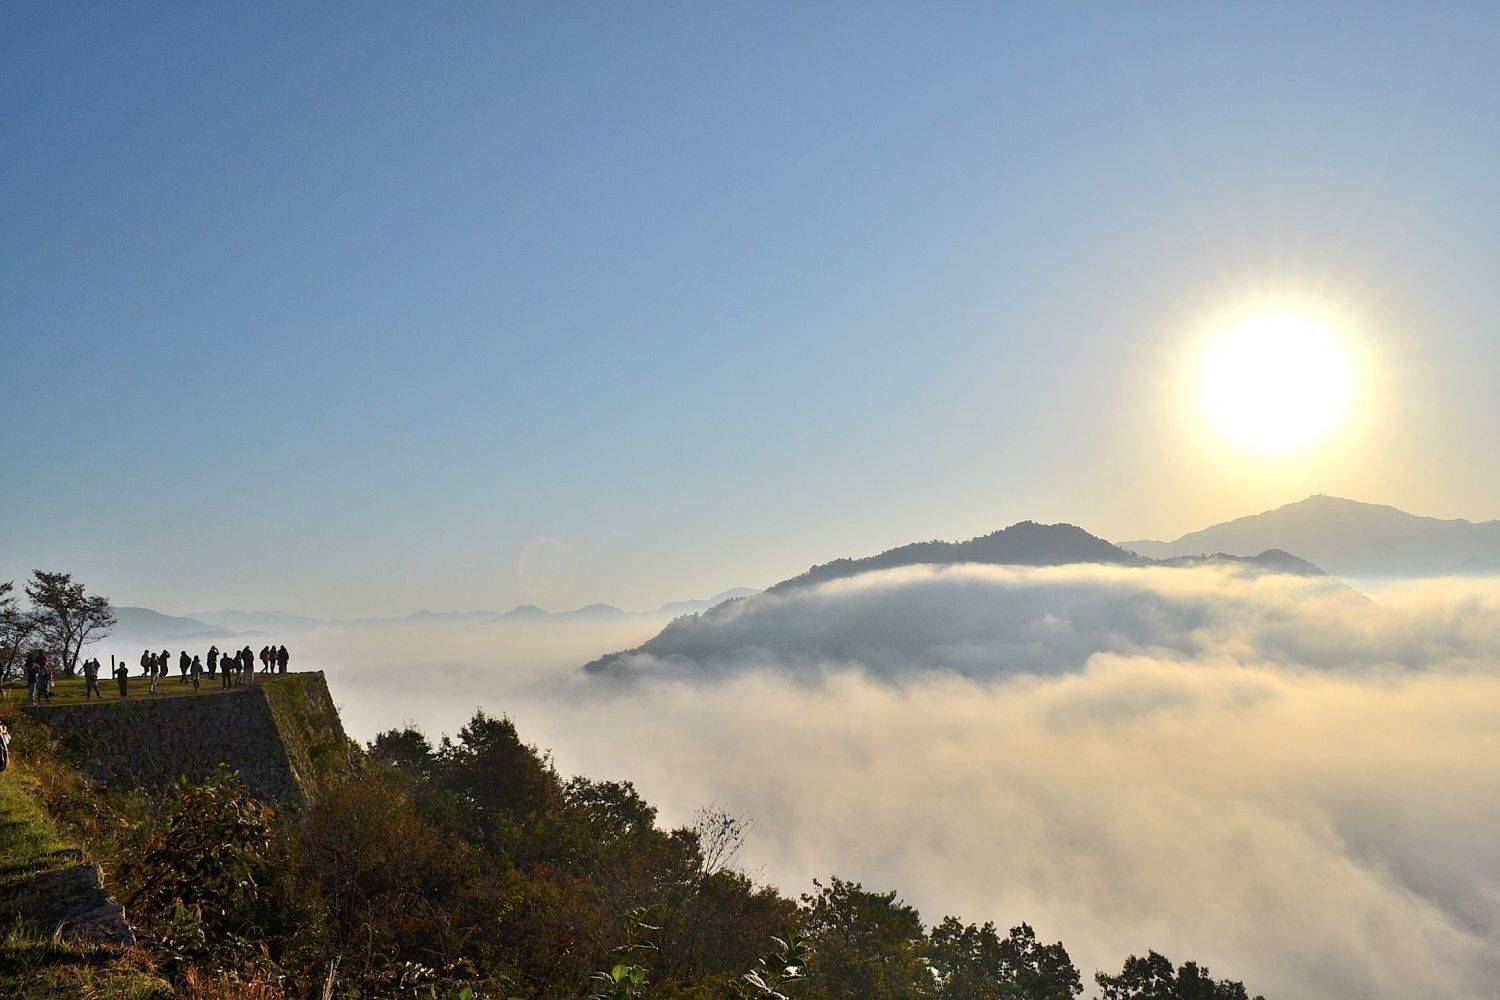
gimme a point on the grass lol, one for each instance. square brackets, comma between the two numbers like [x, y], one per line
[43, 967]
[29, 843]
[70, 692]
[34, 961]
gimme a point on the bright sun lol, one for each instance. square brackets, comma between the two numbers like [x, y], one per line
[1276, 381]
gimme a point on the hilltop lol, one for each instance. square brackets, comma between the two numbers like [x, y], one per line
[1348, 538]
[468, 867]
[1027, 543]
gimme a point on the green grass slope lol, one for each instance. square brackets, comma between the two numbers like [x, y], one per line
[35, 961]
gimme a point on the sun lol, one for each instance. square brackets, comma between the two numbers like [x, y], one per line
[1276, 381]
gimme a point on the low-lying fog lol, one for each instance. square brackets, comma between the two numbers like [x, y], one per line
[1277, 776]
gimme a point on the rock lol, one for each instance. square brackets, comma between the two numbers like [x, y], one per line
[73, 899]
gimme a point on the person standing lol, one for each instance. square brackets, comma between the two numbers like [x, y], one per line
[195, 668]
[48, 678]
[122, 675]
[247, 666]
[183, 663]
[91, 679]
[151, 671]
[281, 658]
[33, 675]
[213, 660]
[265, 659]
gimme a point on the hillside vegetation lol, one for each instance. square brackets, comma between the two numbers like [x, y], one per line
[470, 867]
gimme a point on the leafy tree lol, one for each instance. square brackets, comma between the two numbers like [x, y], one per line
[396, 892]
[201, 863]
[972, 962]
[626, 980]
[507, 784]
[68, 618]
[18, 630]
[1154, 978]
[406, 750]
[865, 945]
[779, 974]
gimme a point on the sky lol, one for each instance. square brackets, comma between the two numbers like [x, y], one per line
[345, 313]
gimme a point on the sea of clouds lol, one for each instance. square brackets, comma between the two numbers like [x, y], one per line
[1277, 776]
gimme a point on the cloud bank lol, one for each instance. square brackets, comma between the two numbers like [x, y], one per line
[987, 622]
[1273, 775]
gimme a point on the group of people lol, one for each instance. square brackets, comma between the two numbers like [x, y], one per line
[233, 669]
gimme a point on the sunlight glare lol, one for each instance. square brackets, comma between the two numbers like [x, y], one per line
[1276, 381]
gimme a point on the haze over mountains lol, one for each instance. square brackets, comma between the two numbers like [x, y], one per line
[969, 608]
[232, 623]
[1028, 543]
[1349, 538]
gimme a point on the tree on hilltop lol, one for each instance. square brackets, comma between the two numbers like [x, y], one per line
[1154, 978]
[18, 630]
[68, 618]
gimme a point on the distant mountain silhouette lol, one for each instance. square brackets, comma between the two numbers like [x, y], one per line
[689, 607]
[447, 616]
[1029, 544]
[265, 621]
[230, 621]
[1349, 538]
[145, 622]
[1272, 560]
[1024, 544]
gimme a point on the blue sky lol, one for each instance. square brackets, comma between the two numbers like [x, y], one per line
[336, 311]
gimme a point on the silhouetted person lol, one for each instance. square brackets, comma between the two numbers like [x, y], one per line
[195, 668]
[91, 679]
[153, 670]
[265, 659]
[183, 663]
[33, 675]
[122, 675]
[47, 677]
[213, 660]
[281, 658]
[145, 662]
[247, 666]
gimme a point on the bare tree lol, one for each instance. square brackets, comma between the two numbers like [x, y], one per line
[719, 835]
[68, 619]
[18, 630]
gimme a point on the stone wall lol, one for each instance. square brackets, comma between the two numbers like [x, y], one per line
[277, 734]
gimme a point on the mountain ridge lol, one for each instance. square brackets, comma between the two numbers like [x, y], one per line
[232, 621]
[1348, 538]
[1025, 543]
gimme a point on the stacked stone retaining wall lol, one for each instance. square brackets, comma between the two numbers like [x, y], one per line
[276, 734]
